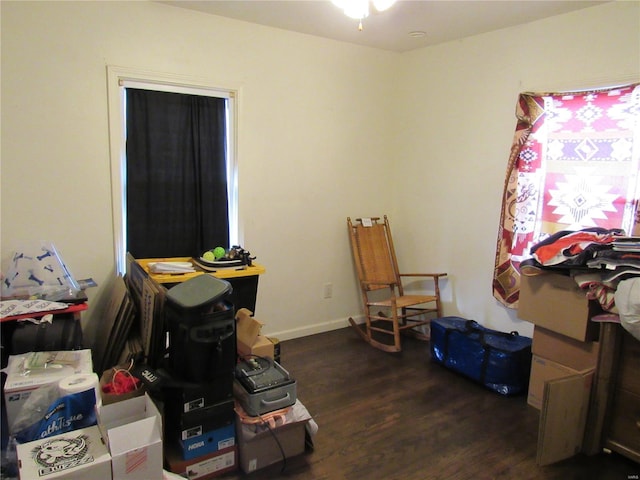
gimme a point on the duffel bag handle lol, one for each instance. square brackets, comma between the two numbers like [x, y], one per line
[472, 325]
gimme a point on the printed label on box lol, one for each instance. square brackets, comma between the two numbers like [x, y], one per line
[209, 442]
[62, 453]
[226, 443]
[192, 432]
[194, 405]
[212, 465]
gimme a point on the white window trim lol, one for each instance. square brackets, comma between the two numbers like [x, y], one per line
[119, 78]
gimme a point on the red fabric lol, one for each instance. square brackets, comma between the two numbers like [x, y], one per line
[571, 166]
[573, 244]
[121, 383]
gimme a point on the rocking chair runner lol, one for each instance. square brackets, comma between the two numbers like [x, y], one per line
[381, 286]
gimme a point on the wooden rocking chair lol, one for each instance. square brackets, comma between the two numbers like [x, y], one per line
[382, 290]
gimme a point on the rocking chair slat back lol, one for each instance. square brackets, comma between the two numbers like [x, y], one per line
[373, 254]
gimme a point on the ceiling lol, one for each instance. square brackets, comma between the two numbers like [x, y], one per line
[440, 20]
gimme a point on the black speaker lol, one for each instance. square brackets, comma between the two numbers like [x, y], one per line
[202, 329]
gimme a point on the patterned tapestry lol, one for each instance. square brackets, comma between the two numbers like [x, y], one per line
[574, 163]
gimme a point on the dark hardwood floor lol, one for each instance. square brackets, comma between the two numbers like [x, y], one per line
[400, 416]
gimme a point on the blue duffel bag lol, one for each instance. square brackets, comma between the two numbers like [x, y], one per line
[498, 360]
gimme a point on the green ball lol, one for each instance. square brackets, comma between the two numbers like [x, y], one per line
[208, 256]
[219, 252]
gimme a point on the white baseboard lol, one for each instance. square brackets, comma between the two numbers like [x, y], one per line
[313, 329]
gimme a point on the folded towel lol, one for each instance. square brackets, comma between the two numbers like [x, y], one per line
[171, 267]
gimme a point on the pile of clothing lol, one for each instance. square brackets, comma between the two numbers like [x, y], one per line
[603, 262]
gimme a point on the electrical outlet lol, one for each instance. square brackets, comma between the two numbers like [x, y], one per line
[328, 290]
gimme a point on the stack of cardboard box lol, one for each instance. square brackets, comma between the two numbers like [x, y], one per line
[125, 445]
[563, 338]
[565, 356]
[248, 447]
[258, 447]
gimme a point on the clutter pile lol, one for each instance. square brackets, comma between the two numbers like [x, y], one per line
[604, 263]
[60, 428]
[227, 402]
[178, 374]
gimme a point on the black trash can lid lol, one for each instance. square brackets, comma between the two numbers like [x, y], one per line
[198, 291]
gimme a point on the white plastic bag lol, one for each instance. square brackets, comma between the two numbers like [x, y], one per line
[628, 303]
[37, 270]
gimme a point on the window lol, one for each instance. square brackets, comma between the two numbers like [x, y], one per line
[574, 164]
[120, 81]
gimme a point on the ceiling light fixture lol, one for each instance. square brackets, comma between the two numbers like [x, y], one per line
[359, 9]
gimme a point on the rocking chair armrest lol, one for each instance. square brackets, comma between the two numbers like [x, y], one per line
[434, 275]
[367, 283]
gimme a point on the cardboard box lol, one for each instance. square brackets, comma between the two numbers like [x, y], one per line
[249, 339]
[209, 442]
[277, 349]
[184, 426]
[133, 429]
[192, 397]
[544, 370]
[259, 450]
[262, 347]
[204, 467]
[109, 398]
[563, 418]
[248, 328]
[75, 455]
[564, 350]
[19, 385]
[555, 302]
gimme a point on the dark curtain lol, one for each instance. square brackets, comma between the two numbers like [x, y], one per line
[176, 180]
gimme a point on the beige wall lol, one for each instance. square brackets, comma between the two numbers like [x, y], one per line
[457, 126]
[327, 130]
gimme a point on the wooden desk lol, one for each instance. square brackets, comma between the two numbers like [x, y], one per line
[244, 281]
[223, 273]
